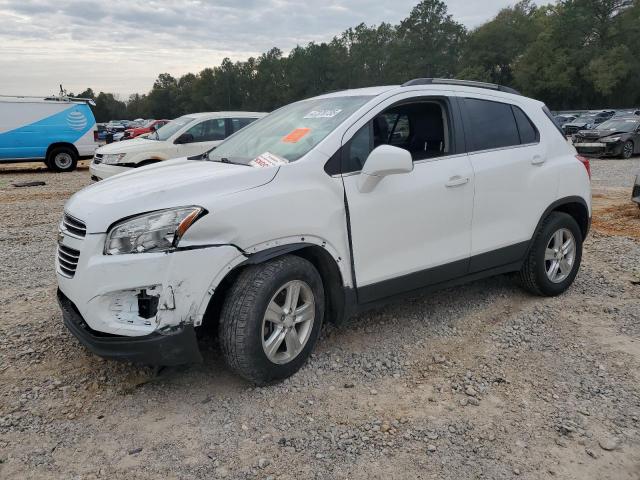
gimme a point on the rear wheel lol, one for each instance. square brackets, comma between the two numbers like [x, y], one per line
[271, 319]
[62, 159]
[554, 257]
[627, 150]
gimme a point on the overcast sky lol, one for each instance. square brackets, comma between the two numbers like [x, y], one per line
[121, 46]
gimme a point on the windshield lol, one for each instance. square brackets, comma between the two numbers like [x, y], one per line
[620, 125]
[290, 132]
[164, 132]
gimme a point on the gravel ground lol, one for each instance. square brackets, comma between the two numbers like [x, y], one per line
[479, 381]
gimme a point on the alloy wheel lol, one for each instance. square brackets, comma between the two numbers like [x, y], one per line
[288, 322]
[627, 151]
[560, 255]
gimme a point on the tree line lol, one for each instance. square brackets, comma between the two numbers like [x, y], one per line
[573, 54]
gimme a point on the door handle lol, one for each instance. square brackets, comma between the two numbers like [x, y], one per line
[538, 160]
[456, 181]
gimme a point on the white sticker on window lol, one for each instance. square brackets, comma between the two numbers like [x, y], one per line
[268, 159]
[323, 113]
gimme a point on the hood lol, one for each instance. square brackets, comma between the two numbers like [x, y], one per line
[173, 183]
[131, 146]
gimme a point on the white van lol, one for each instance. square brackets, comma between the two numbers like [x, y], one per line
[56, 130]
[192, 134]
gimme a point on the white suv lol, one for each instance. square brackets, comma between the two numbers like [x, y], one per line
[325, 207]
[192, 134]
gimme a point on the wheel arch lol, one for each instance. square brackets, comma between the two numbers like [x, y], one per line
[337, 296]
[574, 206]
[59, 145]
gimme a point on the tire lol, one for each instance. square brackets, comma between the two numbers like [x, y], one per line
[62, 159]
[537, 275]
[627, 150]
[246, 331]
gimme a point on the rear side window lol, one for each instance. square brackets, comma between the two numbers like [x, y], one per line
[528, 131]
[491, 124]
[238, 123]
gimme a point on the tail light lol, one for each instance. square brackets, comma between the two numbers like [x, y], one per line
[95, 136]
[585, 162]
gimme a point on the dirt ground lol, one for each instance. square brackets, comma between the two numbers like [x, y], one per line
[481, 381]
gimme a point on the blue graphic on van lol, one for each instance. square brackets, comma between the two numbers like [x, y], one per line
[33, 140]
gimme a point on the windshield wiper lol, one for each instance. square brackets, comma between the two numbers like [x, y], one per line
[231, 162]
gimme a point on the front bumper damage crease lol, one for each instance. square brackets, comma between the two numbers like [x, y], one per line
[166, 348]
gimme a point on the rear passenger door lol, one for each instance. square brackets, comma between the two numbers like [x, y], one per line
[513, 180]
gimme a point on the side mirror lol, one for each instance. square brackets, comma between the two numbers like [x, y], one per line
[382, 161]
[184, 138]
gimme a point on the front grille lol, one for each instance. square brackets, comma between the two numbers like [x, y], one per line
[74, 226]
[97, 158]
[68, 260]
[571, 130]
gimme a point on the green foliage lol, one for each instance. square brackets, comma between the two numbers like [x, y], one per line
[571, 54]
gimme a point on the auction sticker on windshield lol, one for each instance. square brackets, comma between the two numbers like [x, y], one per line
[268, 159]
[323, 113]
[295, 135]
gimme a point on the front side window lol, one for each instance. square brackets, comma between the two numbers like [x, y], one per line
[289, 132]
[166, 131]
[490, 124]
[422, 128]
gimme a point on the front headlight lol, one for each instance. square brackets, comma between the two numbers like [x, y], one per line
[611, 139]
[113, 158]
[151, 232]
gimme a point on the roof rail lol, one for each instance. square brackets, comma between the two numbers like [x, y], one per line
[465, 83]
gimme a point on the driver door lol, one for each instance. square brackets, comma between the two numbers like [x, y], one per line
[413, 229]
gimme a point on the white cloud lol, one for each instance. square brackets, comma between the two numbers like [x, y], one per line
[122, 45]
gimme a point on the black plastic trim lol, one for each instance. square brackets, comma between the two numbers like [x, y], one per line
[268, 254]
[175, 347]
[462, 83]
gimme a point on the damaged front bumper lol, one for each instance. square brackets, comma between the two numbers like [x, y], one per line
[599, 149]
[172, 347]
[141, 299]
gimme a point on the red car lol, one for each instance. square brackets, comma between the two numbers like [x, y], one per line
[151, 126]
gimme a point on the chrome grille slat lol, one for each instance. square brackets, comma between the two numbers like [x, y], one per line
[74, 226]
[69, 253]
[67, 260]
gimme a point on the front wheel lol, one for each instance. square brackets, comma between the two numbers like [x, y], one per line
[271, 319]
[627, 150]
[554, 256]
[62, 159]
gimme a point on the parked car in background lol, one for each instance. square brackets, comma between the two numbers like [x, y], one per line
[617, 137]
[56, 130]
[626, 113]
[562, 118]
[586, 122]
[192, 134]
[115, 126]
[148, 127]
[319, 211]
